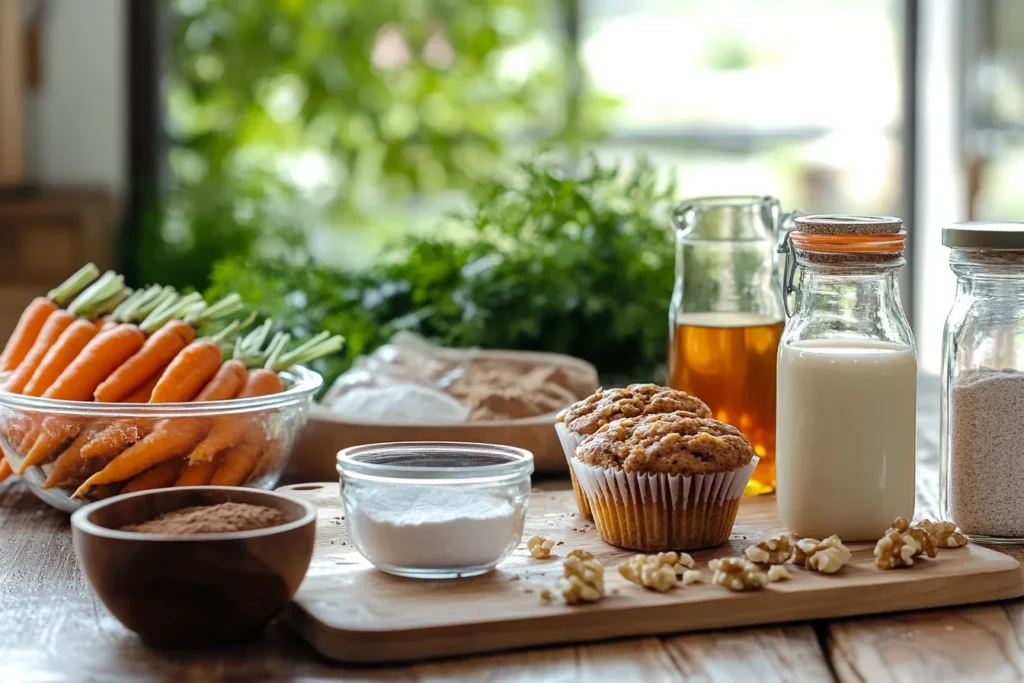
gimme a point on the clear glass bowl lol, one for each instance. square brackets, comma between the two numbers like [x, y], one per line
[272, 422]
[435, 509]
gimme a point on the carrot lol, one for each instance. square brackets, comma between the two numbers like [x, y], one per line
[100, 357]
[5, 469]
[196, 473]
[172, 438]
[52, 329]
[157, 477]
[52, 436]
[189, 371]
[228, 430]
[159, 350]
[143, 393]
[25, 332]
[169, 438]
[115, 438]
[236, 465]
[68, 461]
[67, 347]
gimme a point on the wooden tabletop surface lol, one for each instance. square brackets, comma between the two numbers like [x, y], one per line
[52, 628]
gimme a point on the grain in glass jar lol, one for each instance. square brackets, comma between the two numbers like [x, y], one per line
[982, 415]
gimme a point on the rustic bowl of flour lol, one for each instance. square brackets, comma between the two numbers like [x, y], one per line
[435, 509]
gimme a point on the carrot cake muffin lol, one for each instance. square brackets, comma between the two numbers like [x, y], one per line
[664, 482]
[581, 419]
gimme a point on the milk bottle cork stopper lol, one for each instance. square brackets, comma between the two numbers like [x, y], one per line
[838, 224]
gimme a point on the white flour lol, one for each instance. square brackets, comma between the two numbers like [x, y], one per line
[432, 527]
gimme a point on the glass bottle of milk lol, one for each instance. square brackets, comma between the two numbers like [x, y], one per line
[847, 381]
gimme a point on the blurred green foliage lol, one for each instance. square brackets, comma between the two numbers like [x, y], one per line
[286, 117]
[571, 258]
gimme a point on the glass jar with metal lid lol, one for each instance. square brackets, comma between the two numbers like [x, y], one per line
[982, 414]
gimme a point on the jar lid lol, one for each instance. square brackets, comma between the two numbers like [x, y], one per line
[848, 224]
[984, 235]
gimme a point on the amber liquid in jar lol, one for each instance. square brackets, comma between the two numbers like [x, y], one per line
[728, 360]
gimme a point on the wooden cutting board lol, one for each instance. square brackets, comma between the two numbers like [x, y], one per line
[351, 612]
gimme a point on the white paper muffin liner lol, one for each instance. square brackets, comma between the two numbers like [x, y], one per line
[661, 512]
[570, 442]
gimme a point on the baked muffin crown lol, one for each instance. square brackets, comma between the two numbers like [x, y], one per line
[669, 443]
[636, 400]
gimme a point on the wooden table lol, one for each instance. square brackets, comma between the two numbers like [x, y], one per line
[52, 628]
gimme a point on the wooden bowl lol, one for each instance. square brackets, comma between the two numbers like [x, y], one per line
[191, 590]
[327, 432]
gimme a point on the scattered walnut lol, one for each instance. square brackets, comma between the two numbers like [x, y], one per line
[926, 543]
[582, 580]
[774, 550]
[691, 576]
[659, 572]
[778, 572]
[895, 550]
[945, 533]
[825, 557]
[539, 547]
[736, 573]
[545, 594]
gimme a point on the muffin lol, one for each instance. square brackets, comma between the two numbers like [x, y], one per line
[664, 482]
[581, 419]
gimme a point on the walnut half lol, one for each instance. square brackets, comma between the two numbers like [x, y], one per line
[539, 547]
[659, 572]
[945, 533]
[824, 557]
[737, 574]
[771, 551]
[582, 580]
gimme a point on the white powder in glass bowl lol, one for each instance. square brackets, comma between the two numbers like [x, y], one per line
[432, 526]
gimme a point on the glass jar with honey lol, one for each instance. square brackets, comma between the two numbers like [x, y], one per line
[727, 315]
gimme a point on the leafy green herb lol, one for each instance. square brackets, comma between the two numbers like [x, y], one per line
[555, 257]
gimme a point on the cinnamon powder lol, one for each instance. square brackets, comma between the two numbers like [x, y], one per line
[211, 519]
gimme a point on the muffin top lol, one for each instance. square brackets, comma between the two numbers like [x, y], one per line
[604, 406]
[671, 443]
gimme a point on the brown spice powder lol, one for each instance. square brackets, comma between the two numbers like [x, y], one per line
[211, 519]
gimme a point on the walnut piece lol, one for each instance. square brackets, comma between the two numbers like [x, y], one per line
[945, 533]
[582, 580]
[659, 572]
[691, 576]
[895, 550]
[926, 543]
[771, 551]
[737, 574]
[778, 572]
[824, 557]
[539, 547]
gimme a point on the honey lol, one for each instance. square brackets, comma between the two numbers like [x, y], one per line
[729, 361]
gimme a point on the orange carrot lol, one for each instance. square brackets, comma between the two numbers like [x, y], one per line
[116, 437]
[196, 473]
[61, 354]
[143, 393]
[25, 332]
[228, 430]
[227, 383]
[68, 461]
[56, 323]
[236, 465]
[5, 469]
[172, 438]
[159, 350]
[53, 434]
[100, 357]
[169, 438]
[189, 371]
[157, 477]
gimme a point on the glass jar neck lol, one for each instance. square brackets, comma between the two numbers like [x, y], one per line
[989, 272]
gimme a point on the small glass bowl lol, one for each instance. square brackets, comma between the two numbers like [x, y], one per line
[435, 509]
[276, 419]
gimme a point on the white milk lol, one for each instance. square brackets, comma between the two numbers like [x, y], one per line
[846, 430]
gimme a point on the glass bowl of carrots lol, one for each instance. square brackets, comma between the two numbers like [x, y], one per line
[106, 390]
[96, 450]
